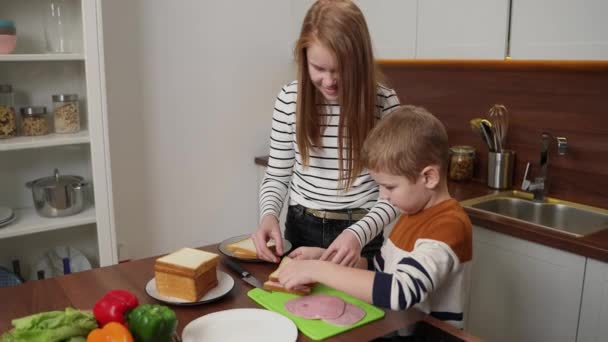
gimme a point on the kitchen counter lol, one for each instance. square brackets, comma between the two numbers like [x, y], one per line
[594, 246]
[81, 290]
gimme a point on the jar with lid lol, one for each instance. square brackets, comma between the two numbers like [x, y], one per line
[34, 121]
[462, 160]
[66, 113]
[8, 118]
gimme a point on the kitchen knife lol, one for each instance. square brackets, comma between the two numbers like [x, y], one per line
[245, 276]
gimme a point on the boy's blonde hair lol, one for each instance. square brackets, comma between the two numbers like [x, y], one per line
[405, 142]
[339, 26]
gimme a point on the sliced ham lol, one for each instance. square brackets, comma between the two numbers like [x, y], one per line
[352, 314]
[317, 306]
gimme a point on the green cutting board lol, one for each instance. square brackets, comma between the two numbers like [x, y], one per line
[315, 329]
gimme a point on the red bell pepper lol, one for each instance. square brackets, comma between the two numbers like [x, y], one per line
[113, 307]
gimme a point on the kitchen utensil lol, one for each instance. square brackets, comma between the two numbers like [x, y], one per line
[488, 132]
[498, 115]
[222, 247]
[251, 325]
[225, 283]
[500, 169]
[316, 329]
[245, 276]
[58, 195]
[477, 128]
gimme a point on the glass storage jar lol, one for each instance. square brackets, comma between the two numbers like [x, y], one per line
[34, 121]
[462, 160]
[66, 113]
[8, 118]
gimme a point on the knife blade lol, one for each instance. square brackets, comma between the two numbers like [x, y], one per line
[245, 276]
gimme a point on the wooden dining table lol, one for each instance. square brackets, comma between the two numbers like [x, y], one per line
[81, 290]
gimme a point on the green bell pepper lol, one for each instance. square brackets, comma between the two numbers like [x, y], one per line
[152, 323]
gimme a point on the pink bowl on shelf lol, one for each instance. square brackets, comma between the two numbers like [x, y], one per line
[7, 43]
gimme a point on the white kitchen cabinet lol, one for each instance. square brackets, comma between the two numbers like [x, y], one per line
[392, 26]
[523, 291]
[594, 306]
[559, 30]
[36, 75]
[469, 29]
[391, 23]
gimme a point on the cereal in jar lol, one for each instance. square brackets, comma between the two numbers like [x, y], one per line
[34, 121]
[462, 159]
[8, 118]
[66, 113]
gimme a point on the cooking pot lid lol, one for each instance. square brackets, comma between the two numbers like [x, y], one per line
[57, 180]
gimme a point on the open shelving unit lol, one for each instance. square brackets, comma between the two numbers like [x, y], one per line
[35, 76]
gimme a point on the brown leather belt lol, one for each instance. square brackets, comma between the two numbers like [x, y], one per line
[346, 214]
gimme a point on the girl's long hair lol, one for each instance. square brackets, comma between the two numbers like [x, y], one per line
[339, 26]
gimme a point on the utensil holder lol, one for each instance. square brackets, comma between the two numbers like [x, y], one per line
[500, 169]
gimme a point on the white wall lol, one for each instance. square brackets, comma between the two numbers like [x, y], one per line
[191, 87]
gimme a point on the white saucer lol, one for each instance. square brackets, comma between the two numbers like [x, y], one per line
[225, 284]
[8, 221]
[251, 325]
[6, 214]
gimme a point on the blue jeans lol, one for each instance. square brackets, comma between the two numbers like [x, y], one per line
[304, 229]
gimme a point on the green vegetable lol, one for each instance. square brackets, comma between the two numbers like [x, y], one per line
[51, 326]
[152, 323]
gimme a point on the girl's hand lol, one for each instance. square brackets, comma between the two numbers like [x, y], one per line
[307, 253]
[268, 229]
[345, 250]
[298, 272]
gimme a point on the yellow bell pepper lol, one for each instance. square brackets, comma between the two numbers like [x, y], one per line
[111, 332]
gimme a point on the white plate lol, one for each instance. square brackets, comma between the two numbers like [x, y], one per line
[6, 214]
[225, 283]
[8, 221]
[251, 325]
[52, 262]
[222, 248]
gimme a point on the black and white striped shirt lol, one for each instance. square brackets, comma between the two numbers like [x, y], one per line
[316, 186]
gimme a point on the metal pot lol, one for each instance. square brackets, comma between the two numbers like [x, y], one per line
[58, 195]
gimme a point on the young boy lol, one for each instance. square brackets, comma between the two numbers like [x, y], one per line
[423, 261]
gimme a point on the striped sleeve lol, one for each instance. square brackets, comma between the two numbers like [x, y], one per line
[275, 184]
[372, 224]
[416, 275]
[382, 213]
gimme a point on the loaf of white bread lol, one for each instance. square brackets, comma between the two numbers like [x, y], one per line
[246, 248]
[187, 274]
[272, 284]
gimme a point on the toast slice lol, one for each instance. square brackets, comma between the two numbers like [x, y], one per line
[246, 248]
[276, 286]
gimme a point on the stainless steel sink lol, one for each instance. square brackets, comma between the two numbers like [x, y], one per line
[568, 217]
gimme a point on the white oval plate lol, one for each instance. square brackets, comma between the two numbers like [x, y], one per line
[225, 283]
[251, 325]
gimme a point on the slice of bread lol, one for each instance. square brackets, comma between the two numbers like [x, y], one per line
[274, 276]
[187, 262]
[246, 248]
[275, 286]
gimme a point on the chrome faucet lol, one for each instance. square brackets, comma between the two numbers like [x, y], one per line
[538, 187]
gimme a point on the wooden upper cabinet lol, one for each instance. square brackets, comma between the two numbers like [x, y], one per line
[392, 26]
[466, 29]
[559, 30]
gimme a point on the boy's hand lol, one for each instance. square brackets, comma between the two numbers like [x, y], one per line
[298, 272]
[345, 250]
[268, 229]
[307, 253]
